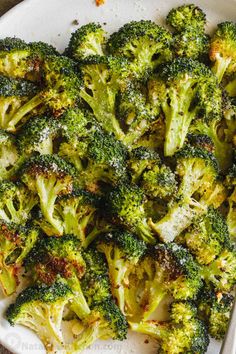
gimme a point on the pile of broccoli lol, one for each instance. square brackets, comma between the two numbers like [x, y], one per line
[118, 183]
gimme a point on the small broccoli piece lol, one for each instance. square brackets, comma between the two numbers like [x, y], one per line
[230, 87]
[21, 60]
[61, 91]
[105, 321]
[182, 333]
[199, 189]
[86, 41]
[221, 273]
[53, 256]
[222, 49]
[9, 155]
[40, 308]
[15, 243]
[192, 44]
[123, 251]
[16, 202]
[37, 136]
[214, 309]
[102, 78]
[14, 94]
[154, 137]
[144, 44]
[49, 176]
[208, 236]
[125, 204]
[201, 140]
[231, 217]
[185, 90]
[187, 17]
[95, 283]
[77, 212]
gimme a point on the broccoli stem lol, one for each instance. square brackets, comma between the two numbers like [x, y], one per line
[79, 304]
[7, 278]
[231, 217]
[157, 296]
[149, 327]
[178, 117]
[231, 88]
[145, 233]
[92, 236]
[87, 338]
[71, 224]
[25, 109]
[220, 66]
[48, 190]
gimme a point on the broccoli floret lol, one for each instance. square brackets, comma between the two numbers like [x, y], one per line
[40, 308]
[95, 283]
[187, 17]
[198, 171]
[21, 60]
[201, 140]
[192, 44]
[125, 204]
[214, 309]
[16, 202]
[105, 321]
[185, 90]
[182, 333]
[53, 256]
[123, 250]
[77, 212]
[15, 243]
[14, 94]
[221, 273]
[102, 78]
[49, 176]
[144, 44]
[86, 41]
[208, 236]
[61, 91]
[9, 155]
[37, 136]
[231, 216]
[222, 49]
[154, 138]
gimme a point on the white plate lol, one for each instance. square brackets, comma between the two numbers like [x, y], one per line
[52, 21]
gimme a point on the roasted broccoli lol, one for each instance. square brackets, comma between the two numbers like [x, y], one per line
[48, 176]
[86, 41]
[182, 333]
[214, 309]
[123, 251]
[207, 237]
[231, 216]
[40, 308]
[222, 50]
[199, 189]
[9, 155]
[15, 243]
[186, 17]
[53, 256]
[144, 44]
[185, 90]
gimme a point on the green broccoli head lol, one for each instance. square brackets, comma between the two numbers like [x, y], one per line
[192, 44]
[16, 242]
[185, 89]
[86, 41]
[208, 236]
[187, 17]
[183, 331]
[201, 140]
[9, 155]
[37, 136]
[123, 251]
[95, 283]
[40, 308]
[222, 49]
[143, 43]
[231, 216]
[214, 309]
[125, 204]
[48, 176]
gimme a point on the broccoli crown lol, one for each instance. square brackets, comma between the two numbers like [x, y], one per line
[201, 140]
[37, 135]
[11, 43]
[186, 17]
[95, 282]
[10, 87]
[140, 42]
[112, 318]
[37, 293]
[42, 49]
[215, 309]
[143, 153]
[85, 41]
[130, 247]
[191, 44]
[223, 43]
